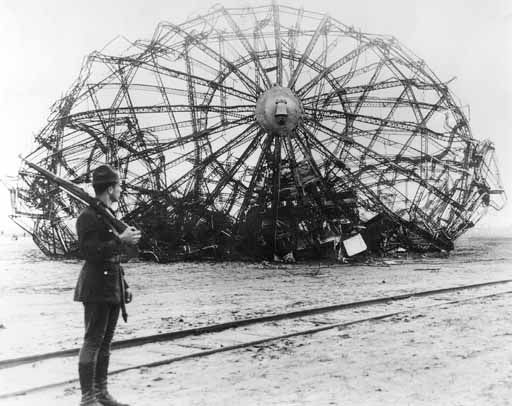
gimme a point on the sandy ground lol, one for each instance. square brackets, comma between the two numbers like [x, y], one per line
[458, 355]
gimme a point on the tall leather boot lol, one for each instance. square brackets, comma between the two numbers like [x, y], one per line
[102, 394]
[86, 375]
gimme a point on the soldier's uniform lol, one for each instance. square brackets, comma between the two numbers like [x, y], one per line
[99, 280]
[99, 288]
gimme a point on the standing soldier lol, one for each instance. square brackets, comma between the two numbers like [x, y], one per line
[100, 287]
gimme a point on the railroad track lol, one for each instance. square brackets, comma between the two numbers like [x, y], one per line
[50, 370]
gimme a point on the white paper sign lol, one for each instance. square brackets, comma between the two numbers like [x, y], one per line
[354, 245]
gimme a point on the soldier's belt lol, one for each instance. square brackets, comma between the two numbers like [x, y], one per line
[113, 260]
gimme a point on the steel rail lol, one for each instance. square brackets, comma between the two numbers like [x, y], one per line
[133, 342]
[208, 352]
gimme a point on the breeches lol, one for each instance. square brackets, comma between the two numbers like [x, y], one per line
[100, 324]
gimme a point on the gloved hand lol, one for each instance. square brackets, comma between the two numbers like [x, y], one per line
[130, 236]
[128, 296]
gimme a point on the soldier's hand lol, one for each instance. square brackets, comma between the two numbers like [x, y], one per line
[130, 236]
[128, 296]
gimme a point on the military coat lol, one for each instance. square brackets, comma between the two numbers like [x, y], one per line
[101, 274]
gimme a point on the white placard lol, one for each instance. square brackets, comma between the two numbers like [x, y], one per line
[354, 245]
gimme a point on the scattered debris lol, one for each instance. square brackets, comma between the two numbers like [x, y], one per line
[427, 269]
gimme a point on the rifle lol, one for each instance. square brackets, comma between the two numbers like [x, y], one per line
[81, 195]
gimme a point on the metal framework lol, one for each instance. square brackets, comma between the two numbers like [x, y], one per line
[253, 132]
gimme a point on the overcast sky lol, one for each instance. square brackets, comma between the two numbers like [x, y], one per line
[44, 43]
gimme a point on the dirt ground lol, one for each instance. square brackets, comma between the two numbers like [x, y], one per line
[450, 355]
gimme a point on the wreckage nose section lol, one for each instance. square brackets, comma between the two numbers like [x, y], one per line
[487, 176]
[278, 108]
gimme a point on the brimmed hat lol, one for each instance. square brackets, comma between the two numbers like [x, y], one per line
[104, 174]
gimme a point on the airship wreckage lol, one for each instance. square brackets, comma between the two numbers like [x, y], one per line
[261, 133]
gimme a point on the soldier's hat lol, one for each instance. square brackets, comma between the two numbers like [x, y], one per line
[104, 174]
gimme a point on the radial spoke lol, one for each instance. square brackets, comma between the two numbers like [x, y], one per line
[400, 125]
[329, 155]
[231, 110]
[233, 143]
[372, 102]
[249, 84]
[290, 153]
[203, 135]
[292, 38]
[276, 189]
[277, 38]
[391, 164]
[255, 175]
[327, 97]
[311, 45]
[336, 65]
[229, 174]
[245, 42]
[173, 73]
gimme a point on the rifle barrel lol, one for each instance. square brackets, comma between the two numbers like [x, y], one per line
[79, 194]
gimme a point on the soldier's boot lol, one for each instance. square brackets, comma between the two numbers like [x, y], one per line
[89, 399]
[101, 386]
[86, 375]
